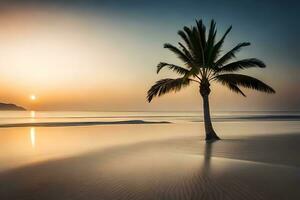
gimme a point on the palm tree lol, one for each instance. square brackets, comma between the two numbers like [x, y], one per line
[203, 65]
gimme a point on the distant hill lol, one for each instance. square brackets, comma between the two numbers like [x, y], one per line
[9, 106]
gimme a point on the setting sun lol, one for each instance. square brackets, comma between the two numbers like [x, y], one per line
[32, 97]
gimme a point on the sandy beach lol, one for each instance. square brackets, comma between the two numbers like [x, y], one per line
[149, 100]
[160, 161]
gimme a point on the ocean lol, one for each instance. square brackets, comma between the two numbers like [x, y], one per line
[32, 136]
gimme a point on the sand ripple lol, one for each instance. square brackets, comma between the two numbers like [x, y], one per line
[158, 170]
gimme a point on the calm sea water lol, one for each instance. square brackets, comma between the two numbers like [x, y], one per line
[17, 117]
[30, 144]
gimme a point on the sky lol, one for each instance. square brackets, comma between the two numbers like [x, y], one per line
[102, 55]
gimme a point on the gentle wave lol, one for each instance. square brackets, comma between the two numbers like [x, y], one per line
[256, 118]
[89, 123]
[166, 116]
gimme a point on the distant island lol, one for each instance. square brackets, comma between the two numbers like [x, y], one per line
[9, 106]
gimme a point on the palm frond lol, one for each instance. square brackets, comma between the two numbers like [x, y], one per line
[236, 89]
[231, 54]
[195, 46]
[244, 81]
[185, 38]
[225, 34]
[242, 64]
[233, 87]
[198, 46]
[175, 68]
[202, 32]
[217, 48]
[167, 85]
[210, 42]
[186, 52]
[181, 55]
[212, 33]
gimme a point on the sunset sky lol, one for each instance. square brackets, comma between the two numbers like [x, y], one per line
[102, 55]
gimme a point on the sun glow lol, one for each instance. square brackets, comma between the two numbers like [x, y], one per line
[32, 97]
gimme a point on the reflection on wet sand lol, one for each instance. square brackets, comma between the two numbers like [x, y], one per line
[185, 168]
[32, 136]
[207, 156]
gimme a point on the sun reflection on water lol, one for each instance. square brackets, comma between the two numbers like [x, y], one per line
[32, 114]
[32, 136]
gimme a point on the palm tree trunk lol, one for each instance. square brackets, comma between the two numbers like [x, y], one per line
[209, 131]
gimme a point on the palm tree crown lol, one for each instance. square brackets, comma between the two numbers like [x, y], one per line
[203, 64]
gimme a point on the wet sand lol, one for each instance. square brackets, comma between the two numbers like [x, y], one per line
[258, 167]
